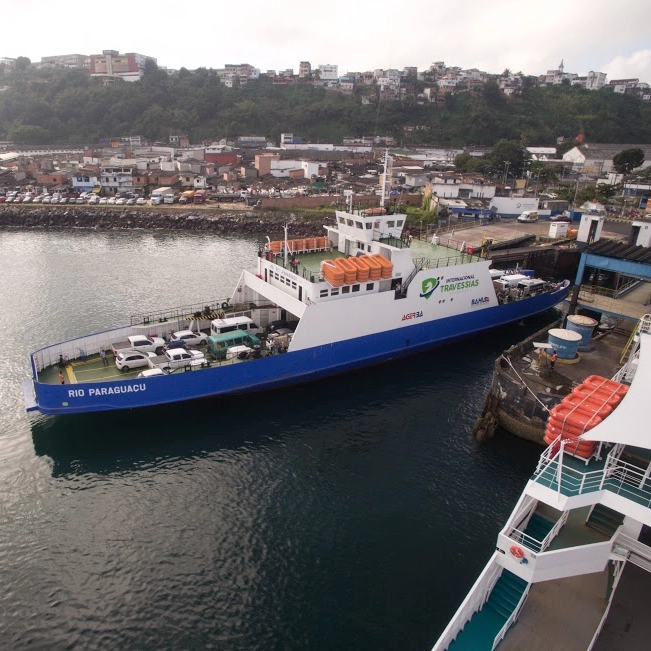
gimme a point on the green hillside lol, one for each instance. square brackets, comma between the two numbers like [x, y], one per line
[57, 106]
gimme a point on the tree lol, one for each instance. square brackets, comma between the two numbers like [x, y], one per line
[22, 63]
[508, 155]
[607, 191]
[29, 134]
[628, 159]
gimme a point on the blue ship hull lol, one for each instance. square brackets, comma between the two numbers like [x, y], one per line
[282, 369]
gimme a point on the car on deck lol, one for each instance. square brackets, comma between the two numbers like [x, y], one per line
[190, 337]
[128, 359]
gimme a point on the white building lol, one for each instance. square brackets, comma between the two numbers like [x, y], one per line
[457, 188]
[598, 158]
[304, 70]
[328, 72]
[67, 61]
[83, 181]
[595, 80]
[117, 178]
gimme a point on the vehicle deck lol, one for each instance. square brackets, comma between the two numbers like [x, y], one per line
[91, 369]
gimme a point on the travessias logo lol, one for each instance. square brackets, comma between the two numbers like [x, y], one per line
[429, 285]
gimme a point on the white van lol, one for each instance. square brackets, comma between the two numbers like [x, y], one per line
[532, 286]
[528, 216]
[509, 281]
[219, 326]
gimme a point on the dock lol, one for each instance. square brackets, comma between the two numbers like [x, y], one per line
[524, 388]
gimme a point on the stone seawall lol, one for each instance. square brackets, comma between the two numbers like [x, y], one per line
[240, 222]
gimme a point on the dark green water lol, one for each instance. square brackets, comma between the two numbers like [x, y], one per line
[353, 513]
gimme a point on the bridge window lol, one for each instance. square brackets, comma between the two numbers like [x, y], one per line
[369, 287]
[323, 293]
[345, 289]
[334, 292]
[391, 224]
[359, 225]
[355, 288]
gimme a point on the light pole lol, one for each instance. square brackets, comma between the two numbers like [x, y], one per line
[576, 191]
[506, 170]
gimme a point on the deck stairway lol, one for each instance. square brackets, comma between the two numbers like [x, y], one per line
[479, 633]
[604, 520]
[536, 532]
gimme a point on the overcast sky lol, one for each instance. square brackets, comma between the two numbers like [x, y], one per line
[358, 35]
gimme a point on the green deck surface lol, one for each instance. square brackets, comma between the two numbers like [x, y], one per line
[78, 371]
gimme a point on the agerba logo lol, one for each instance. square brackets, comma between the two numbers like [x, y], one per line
[428, 286]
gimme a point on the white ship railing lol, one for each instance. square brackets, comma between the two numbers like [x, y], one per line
[535, 545]
[617, 476]
[511, 620]
[474, 602]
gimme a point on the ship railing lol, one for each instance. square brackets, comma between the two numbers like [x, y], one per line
[632, 482]
[512, 619]
[535, 545]
[206, 310]
[419, 264]
[633, 550]
[588, 292]
[475, 599]
[451, 261]
[617, 476]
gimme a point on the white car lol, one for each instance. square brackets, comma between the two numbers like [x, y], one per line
[152, 372]
[129, 359]
[93, 200]
[103, 201]
[141, 201]
[111, 200]
[190, 337]
[120, 202]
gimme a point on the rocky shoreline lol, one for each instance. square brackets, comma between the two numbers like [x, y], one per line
[243, 222]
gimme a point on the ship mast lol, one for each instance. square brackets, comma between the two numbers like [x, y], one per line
[286, 244]
[388, 163]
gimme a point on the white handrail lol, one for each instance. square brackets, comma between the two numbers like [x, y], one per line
[509, 622]
[474, 601]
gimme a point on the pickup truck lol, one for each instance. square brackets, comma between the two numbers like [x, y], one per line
[141, 343]
[176, 358]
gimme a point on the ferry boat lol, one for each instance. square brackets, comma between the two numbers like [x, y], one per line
[364, 293]
[571, 566]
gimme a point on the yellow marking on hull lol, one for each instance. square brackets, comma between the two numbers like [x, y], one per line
[71, 376]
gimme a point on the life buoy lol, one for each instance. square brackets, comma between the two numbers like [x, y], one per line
[517, 552]
[224, 305]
